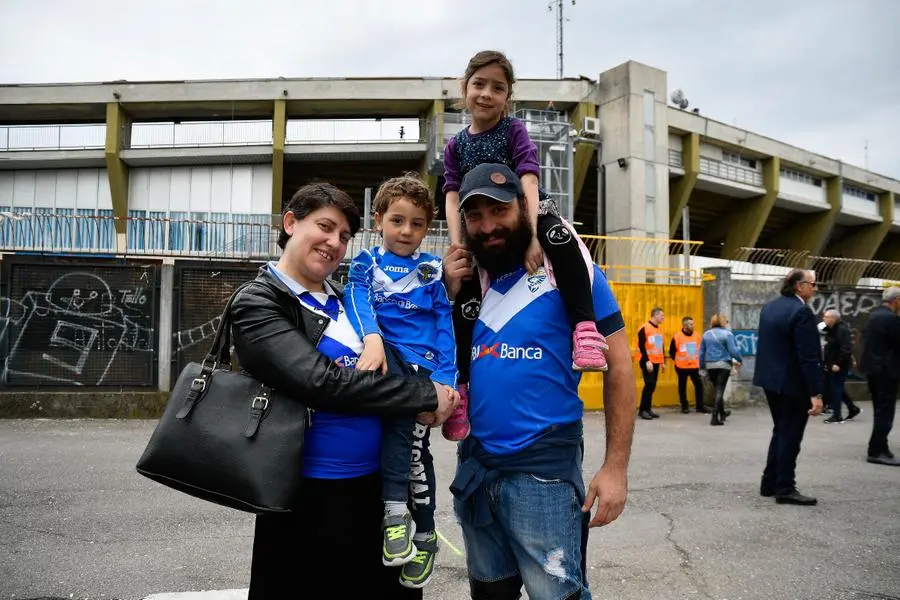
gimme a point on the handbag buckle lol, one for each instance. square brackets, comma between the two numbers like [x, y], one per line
[212, 368]
[254, 404]
[198, 385]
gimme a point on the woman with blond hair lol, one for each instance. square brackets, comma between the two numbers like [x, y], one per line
[718, 354]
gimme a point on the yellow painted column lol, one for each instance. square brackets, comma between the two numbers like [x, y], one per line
[680, 191]
[279, 129]
[432, 124]
[811, 230]
[583, 151]
[865, 240]
[118, 136]
[745, 228]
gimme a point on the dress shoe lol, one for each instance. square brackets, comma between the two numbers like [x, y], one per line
[645, 415]
[685, 410]
[766, 492]
[653, 414]
[852, 412]
[705, 410]
[716, 421]
[884, 459]
[797, 498]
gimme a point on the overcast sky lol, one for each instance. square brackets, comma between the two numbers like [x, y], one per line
[820, 74]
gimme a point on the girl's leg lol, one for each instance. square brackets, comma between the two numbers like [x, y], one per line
[574, 285]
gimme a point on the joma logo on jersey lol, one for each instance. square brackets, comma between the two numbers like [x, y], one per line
[427, 273]
[346, 361]
[395, 269]
[505, 351]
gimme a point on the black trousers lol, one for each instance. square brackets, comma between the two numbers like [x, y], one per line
[572, 280]
[694, 376]
[329, 547]
[719, 379]
[884, 404]
[649, 386]
[789, 415]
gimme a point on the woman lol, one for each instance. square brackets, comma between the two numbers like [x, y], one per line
[718, 354]
[290, 332]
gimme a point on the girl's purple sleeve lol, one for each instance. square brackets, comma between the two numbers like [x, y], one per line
[523, 151]
[451, 168]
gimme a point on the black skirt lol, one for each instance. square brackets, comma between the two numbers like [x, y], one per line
[329, 547]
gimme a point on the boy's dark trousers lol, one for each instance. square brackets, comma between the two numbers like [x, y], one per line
[407, 467]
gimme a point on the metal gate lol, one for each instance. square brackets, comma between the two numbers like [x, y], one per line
[79, 323]
[201, 293]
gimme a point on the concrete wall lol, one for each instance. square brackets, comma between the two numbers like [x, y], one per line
[743, 308]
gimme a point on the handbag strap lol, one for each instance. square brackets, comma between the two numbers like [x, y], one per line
[219, 354]
[220, 349]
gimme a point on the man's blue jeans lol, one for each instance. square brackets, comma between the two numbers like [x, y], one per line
[536, 534]
[834, 390]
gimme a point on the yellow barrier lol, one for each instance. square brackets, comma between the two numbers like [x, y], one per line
[636, 301]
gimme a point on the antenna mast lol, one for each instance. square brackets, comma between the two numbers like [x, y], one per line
[560, 24]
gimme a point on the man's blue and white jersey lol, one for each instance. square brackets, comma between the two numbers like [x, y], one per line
[403, 299]
[522, 380]
[337, 446]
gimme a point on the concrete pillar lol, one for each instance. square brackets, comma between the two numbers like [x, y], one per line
[431, 124]
[865, 240]
[583, 151]
[118, 136]
[279, 130]
[810, 231]
[744, 228]
[165, 330]
[681, 189]
[634, 124]
[717, 296]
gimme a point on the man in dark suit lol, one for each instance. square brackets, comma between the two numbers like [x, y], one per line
[789, 369]
[881, 364]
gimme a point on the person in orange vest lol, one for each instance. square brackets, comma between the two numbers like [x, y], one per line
[684, 350]
[652, 360]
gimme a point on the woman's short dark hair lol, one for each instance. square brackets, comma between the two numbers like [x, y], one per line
[312, 197]
[789, 285]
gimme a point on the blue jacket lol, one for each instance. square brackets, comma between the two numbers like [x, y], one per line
[788, 352]
[717, 344]
[403, 299]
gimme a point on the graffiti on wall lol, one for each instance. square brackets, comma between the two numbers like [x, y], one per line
[850, 303]
[78, 329]
[745, 339]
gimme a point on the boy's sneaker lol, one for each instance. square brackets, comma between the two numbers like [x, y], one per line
[398, 548]
[588, 347]
[457, 427]
[418, 571]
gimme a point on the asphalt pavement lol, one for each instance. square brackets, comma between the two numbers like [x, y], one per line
[77, 521]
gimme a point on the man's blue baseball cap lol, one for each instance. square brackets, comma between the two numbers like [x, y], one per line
[495, 181]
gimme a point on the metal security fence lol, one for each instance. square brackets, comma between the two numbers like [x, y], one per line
[201, 293]
[78, 324]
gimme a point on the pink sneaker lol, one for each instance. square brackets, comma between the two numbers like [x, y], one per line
[588, 348]
[457, 427]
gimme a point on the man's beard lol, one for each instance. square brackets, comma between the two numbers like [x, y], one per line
[502, 259]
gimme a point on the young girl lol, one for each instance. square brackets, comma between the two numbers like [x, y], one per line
[495, 137]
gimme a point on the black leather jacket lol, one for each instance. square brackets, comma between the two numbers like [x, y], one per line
[275, 340]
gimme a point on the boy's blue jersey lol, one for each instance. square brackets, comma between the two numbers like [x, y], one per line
[522, 382]
[403, 299]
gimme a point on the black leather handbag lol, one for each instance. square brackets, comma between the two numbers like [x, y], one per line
[226, 438]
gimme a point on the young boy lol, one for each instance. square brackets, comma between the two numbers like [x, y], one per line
[395, 295]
